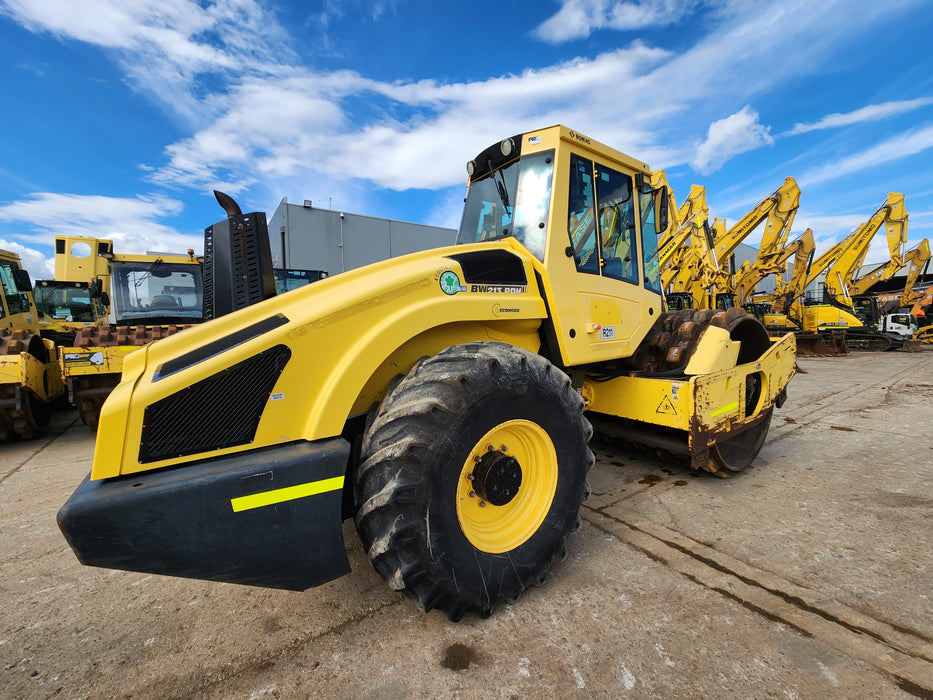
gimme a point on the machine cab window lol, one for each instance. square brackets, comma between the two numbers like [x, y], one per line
[601, 221]
[16, 301]
[510, 200]
[650, 230]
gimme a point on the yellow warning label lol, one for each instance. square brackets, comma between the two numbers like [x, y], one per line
[666, 407]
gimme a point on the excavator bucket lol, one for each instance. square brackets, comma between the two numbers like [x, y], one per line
[830, 344]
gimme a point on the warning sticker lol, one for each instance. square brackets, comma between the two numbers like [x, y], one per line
[666, 407]
[675, 390]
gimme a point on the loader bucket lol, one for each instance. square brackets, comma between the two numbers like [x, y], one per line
[816, 345]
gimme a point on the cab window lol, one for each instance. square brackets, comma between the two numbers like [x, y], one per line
[581, 216]
[16, 301]
[601, 221]
[616, 212]
[649, 238]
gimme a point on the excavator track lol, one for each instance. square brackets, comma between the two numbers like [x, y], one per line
[89, 391]
[868, 340]
[666, 350]
[22, 413]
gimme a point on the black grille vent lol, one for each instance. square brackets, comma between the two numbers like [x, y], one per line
[491, 266]
[207, 275]
[220, 411]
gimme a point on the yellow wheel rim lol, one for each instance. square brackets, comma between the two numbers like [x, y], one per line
[502, 528]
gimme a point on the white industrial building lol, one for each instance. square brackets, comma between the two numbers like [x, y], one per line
[305, 237]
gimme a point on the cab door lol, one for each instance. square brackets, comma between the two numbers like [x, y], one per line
[610, 267]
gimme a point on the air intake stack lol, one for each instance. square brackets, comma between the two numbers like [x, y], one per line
[237, 261]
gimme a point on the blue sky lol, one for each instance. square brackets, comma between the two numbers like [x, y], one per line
[121, 116]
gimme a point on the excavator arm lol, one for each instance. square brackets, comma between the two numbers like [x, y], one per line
[774, 250]
[778, 209]
[917, 260]
[690, 268]
[840, 274]
[802, 249]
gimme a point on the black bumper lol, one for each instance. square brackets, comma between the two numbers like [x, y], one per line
[193, 521]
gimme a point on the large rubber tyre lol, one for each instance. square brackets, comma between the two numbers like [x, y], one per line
[450, 442]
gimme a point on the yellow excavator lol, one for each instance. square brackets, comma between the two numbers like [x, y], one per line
[777, 212]
[773, 308]
[915, 260]
[907, 312]
[703, 275]
[835, 311]
[922, 310]
[29, 378]
[444, 399]
[688, 268]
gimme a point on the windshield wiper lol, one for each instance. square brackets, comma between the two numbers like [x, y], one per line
[499, 179]
[148, 273]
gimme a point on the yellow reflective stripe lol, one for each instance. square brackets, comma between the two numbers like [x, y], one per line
[290, 493]
[734, 406]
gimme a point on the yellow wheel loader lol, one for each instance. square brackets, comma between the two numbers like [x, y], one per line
[29, 377]
[444, 399]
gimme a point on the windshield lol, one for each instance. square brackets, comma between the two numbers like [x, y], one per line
[155, 292]
[512, 201]
[68, 302]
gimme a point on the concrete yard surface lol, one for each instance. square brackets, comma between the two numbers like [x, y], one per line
[810, 575]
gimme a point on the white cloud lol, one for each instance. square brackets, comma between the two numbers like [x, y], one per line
[164, 46]
[296, 124]
[577, 19]
[35, 263]
[132, 223]
[865, 114]
[263, 121]
[901, 146]
[738, 133]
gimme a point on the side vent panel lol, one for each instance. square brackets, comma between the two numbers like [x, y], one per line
[491, 267]
[220, 411]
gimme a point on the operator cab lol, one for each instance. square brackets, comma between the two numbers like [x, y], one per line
[155, 292]
[590, 218]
